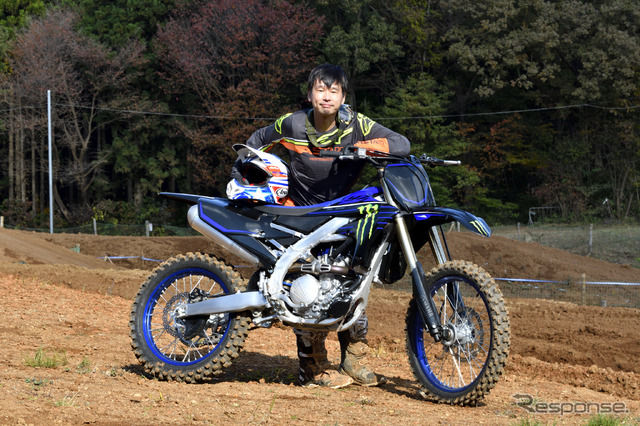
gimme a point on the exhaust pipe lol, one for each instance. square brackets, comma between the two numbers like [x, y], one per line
[218, 237]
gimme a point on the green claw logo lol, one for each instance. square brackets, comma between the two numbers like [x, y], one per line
[479, 227]
[370, 211]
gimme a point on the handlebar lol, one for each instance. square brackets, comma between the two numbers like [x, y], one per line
[433, 161]
[357, 153]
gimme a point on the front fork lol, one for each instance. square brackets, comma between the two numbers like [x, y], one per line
[426, 305]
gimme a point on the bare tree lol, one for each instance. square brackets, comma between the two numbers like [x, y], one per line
[85, 79]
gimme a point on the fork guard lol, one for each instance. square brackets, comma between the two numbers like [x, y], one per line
[439, 215]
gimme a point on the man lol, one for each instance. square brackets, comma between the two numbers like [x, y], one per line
[328, 125]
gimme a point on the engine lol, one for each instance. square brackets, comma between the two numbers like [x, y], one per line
[322, 293]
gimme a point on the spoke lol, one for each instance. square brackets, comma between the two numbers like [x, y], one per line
[468, 358]
[186, 354]
[174, 284]
[478, 365]
[198, 282]
[198, 352]
[209, 339]
[445, 297]
[195, 349]
[173, 344]
[158, 329]
[457, 367]
[213, 285]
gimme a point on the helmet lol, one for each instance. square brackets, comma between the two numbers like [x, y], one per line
[264, 177]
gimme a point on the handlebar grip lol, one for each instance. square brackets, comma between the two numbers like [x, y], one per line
[330, 153]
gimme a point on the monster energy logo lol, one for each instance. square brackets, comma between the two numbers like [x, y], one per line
[365, 123]
[278, 123]
[479, 227]
[370, 211]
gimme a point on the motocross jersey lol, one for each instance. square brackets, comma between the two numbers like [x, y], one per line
[314, 179]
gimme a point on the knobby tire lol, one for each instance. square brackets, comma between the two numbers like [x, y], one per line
[476, 360]
[151, 320]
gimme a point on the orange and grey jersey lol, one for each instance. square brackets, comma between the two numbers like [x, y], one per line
[314, 179]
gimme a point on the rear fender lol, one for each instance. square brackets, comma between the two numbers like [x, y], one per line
[439, 215]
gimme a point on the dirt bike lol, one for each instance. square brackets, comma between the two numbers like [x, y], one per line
[315, 266]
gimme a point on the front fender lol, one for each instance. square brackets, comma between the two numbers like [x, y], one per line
[439, 215]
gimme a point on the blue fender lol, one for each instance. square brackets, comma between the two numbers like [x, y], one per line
[440, 215]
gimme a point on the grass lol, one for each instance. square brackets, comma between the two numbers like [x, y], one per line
[84, 366]
[46, 359]
[37, 383]
[66, 401]
[606, 420]
[596, 420]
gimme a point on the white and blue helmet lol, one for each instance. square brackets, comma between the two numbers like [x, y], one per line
[264, 177]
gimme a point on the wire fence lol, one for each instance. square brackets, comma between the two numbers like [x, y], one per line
[613, 243]
[127, 230]
[606, 294]
[612, 294]
[618, 244]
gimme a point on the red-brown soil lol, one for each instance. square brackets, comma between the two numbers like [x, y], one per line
[74, 304]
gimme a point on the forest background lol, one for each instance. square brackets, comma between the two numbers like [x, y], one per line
[539, 99]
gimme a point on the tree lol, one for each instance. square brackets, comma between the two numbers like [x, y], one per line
[526, 54]
[146, 150]
[116, 22]
[234, 60]
[84, 78]
[570, 50]
[364, 41]
[13, 16]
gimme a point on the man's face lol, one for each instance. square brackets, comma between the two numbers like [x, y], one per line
[326, 100]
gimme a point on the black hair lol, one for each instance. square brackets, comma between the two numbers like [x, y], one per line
[328, 74]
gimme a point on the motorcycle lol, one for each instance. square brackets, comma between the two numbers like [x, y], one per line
[314, 269]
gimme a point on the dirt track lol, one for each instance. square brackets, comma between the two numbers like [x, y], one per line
[75, 304]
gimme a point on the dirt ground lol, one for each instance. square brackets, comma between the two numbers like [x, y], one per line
[571, 361]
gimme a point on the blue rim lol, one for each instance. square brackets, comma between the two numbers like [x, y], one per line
[157, 292]
[418, 341]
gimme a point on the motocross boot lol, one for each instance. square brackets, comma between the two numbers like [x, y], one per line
[315, 369]
[354, 350]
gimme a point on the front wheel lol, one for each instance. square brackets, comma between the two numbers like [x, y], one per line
[469, 360]
[193, 349]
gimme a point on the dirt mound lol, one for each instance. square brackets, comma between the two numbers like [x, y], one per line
[561, 353]
[506, 258]
[33, 248]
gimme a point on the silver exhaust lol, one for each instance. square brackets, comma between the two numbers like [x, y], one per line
[218, 237]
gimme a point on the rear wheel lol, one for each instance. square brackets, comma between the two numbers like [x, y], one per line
[469, 360]
[186, 349]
